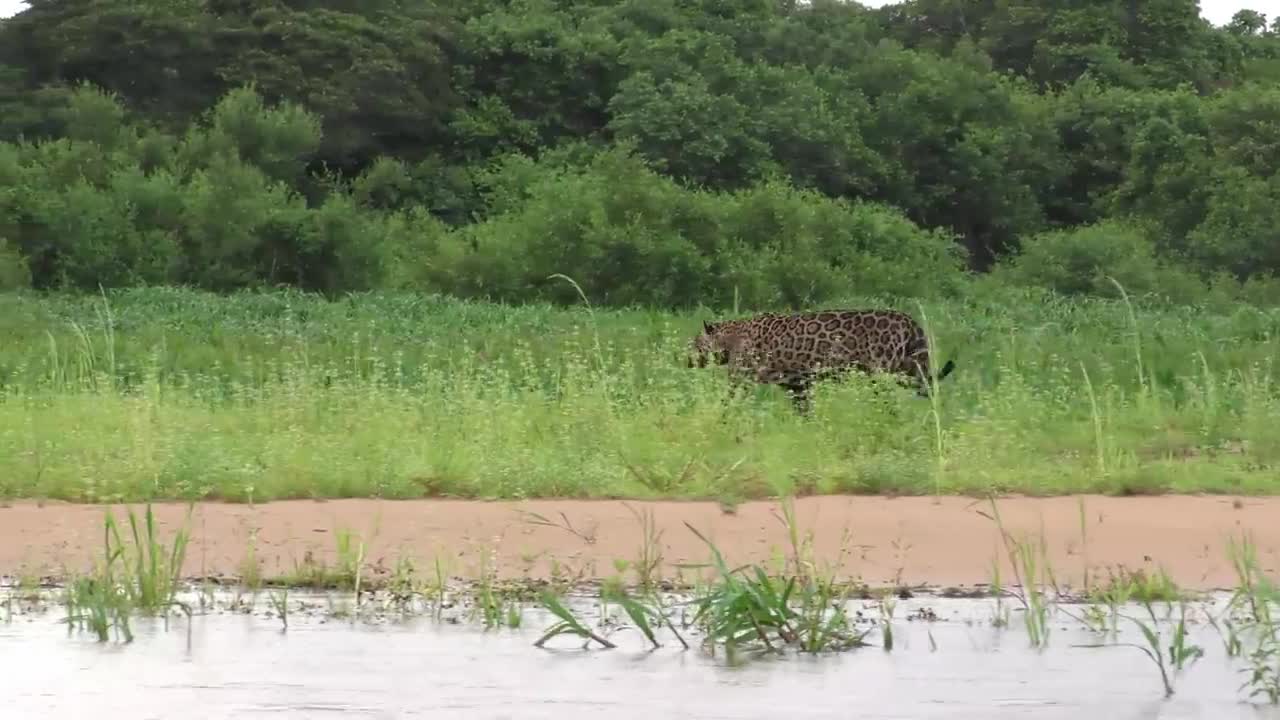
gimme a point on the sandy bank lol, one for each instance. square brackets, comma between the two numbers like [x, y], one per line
[930, 541]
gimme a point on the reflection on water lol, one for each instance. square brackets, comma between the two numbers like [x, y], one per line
[241, 666]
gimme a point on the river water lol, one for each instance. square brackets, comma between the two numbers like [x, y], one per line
[228, 665]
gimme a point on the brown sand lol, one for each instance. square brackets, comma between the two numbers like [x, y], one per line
[914, 541]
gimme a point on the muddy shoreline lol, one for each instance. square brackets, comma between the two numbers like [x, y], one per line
[905, 541]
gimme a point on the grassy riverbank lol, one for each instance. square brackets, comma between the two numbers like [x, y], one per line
[162, 393]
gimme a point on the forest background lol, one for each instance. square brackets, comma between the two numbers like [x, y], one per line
[660, 152]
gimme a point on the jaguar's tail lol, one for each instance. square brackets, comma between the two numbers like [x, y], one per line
[924, 380]
[946, 369]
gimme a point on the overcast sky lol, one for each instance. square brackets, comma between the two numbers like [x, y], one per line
[1218, 12]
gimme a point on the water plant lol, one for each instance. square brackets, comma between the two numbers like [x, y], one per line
[1252, 602]
[746, 607]
[646, 610]
[280, 603]
[154, 575]
[568, 624]
[1032, 574]
[141, 577]
[1170, 660]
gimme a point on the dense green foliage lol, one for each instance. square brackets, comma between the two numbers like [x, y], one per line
[661, 152]
[165, 393]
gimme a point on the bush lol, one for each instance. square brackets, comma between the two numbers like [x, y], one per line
[626, 234]
[1080, 261]
[786, 247]
[14, 273]
[1241, 229]
[215, 210]
[630, 236]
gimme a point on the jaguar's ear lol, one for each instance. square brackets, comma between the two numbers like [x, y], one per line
[708, 327]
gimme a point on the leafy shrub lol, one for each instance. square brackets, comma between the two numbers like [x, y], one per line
[14, 273]
[630, 236]
[626, 234]
[1240, 233]
[786, 247]
[1080, 261]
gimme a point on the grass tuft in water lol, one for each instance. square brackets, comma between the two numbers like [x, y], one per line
[567, 625]
[141, 577]
[156, 574]
[1169, 660]
[100, 605]
[1032, 574]
[280, 604]
[1249, 616]
[746, 608]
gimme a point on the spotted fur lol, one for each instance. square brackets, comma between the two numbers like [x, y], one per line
[794, 351]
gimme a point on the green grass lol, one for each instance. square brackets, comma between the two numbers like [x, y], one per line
[164, 393]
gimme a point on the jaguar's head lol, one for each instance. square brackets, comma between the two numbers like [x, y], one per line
[710, 346]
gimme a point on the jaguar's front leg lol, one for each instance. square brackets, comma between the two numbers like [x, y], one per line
[798, 390]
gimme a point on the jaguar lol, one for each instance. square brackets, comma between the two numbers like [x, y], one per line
[795, 351]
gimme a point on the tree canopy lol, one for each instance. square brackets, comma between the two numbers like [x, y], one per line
[665, 151]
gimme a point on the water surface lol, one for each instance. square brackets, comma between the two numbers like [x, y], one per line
[244, 666]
